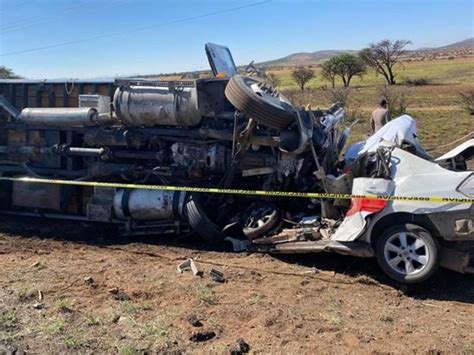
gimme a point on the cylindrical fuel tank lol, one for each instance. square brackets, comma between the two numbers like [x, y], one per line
[148, 205]
[155, 105]
[59, 116]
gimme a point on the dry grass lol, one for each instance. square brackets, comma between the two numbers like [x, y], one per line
[436, 108]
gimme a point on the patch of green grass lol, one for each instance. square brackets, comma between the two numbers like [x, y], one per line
[219, 349]
[8, 319]
[333, 316]
[128, 350]
[386, 317]
[24, 295]
[73, 342]
[92, 320]
[63, 304]
[255, 298]
[205, 295]
[173, 312]
[155, 332]
[38, 265]
[335, 320]
[132, 308]
[57, 326]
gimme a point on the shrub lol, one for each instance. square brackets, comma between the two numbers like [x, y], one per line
[418, 81]
[466, 101]
[344, 97]
[397, 98]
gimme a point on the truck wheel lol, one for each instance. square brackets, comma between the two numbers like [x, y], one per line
[198, 220]
[407, 253]
[260, 101]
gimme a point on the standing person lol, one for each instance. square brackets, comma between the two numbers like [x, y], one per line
[380, 116]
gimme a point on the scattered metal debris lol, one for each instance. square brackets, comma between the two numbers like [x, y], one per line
[35, 264]
[89, 280]
[38, 305]
[194, 320]
[242, 347]
[313, 270]
[119, 295]
[189, 264]
[217, 276]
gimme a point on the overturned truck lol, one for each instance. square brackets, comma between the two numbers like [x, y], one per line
[233, 132]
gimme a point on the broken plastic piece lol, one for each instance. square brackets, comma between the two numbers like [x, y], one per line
[188, 264]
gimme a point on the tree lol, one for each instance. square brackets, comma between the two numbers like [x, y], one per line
[328, 72]
[345, 66]
[302, 76]
[7, 73]
[272, 79]
[382, 57]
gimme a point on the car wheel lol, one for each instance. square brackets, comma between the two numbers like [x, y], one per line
[260, 102]
[198, 220]
[259, 219]
[407, 253]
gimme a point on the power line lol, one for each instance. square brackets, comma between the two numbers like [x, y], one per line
[25, 22]
[17, 5]
[138, 29]
[21, 21]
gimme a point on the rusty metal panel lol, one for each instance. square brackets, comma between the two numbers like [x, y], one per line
[36, 196]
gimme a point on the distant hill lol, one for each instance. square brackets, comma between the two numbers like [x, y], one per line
[313, 58]
[467, 43]
[307, 58]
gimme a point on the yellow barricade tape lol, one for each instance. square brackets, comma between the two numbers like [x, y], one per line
[212, 190]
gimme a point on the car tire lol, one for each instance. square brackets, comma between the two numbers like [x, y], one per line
[198, 220]
[240, 94]
[408, 253]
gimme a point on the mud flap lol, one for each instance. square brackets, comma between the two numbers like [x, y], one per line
[456, 260]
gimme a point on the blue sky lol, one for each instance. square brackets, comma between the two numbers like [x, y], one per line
[266, 31]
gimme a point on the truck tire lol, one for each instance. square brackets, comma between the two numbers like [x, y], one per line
[408, 253]
[272, 111]
[198, 220]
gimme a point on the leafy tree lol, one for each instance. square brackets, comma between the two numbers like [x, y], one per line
[346, 66]
[328, 72]
[382, 57]
[302, 76]
[7, 73]
[272, 79]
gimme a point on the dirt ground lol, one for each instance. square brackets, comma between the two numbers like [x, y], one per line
[66, 287]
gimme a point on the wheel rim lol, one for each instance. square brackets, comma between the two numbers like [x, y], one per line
[259, 217]
[270, 95]
[406, 253]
